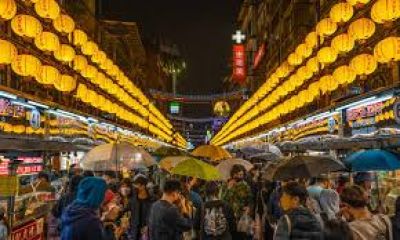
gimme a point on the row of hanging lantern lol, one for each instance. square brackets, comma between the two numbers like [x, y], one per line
[28, 26]
[339, 13]
[358, 31]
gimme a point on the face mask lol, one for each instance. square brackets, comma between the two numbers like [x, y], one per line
[125, 191]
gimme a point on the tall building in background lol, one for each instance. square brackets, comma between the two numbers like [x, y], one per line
[273, 28]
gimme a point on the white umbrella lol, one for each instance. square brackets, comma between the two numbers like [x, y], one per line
[114, 156]
[225, 167]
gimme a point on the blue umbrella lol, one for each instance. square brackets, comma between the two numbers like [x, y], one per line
[373, 160]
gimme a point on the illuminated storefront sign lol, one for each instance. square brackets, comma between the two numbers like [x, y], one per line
[363, 112]
[239, 58]
[239, 63]
[30, 231]
[34, 168]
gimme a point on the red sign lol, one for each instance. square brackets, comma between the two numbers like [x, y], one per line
[363, 112]
[22, 169]
[30, 231]
[259, 55]
[239, 63]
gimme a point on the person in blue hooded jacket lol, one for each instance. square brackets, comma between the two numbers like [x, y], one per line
[81, 221]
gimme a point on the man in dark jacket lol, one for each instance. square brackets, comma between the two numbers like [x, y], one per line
[298, 222]
[166, 221]
[80, 220]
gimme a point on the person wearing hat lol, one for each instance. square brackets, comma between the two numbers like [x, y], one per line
[80, 220]
[140, 205]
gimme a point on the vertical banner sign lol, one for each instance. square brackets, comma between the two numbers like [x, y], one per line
[239, 63]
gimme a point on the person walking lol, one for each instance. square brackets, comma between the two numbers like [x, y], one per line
[363, 224]
[80, 220]
[298, 221]
[68, 197]
[166, 220]
[217, 218]
[4, 228]
[239, 196]
[140, 205]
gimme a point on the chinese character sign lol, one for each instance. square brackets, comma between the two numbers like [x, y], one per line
[239, 63]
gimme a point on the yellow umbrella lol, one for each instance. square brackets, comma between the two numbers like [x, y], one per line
[192, 167]
[211, 152]
[170, 162]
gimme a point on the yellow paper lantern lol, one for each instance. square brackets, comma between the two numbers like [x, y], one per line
[344, 74]
[341, 12]
[328, 84]
[47, 41]
[312, 40]
[65, 83]
[304, 73]
[89, 48]
[47, 9]
[385, 11]
[361, 29]
[47, 75]
[8, 52]
[79, 37]
[26, 26]
[313, 65]
[303, 50]
[8, 9]
[357, 2]
[80, 63]
[106, 64]
[113, 71]
[18, 129]
[294, 59]
[99, 57]
[342, 43]
[26, 65]
[65, 53]
[326, 27]
[81, 91]
[326, 55]
[283, 70]
[364, 64]
[64, 24]
[89, 72]
[387, 50]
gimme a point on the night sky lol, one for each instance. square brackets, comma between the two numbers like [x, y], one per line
[201, 28]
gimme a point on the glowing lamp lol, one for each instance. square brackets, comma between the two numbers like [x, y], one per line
[361, 29]
[342, 43]
[8, 9]
[79, 63]
[364, 64]
[47, 75]
[26, 26]
[326, 55]
[344, 74]
[26, 65]
[47, 41]
[47, 9]
[65, 53]
[8, 52]
[79, 37]
[64, 24]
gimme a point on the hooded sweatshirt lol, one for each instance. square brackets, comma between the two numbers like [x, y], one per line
[80, 220]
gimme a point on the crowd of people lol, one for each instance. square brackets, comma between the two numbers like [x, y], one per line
[109, 207]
